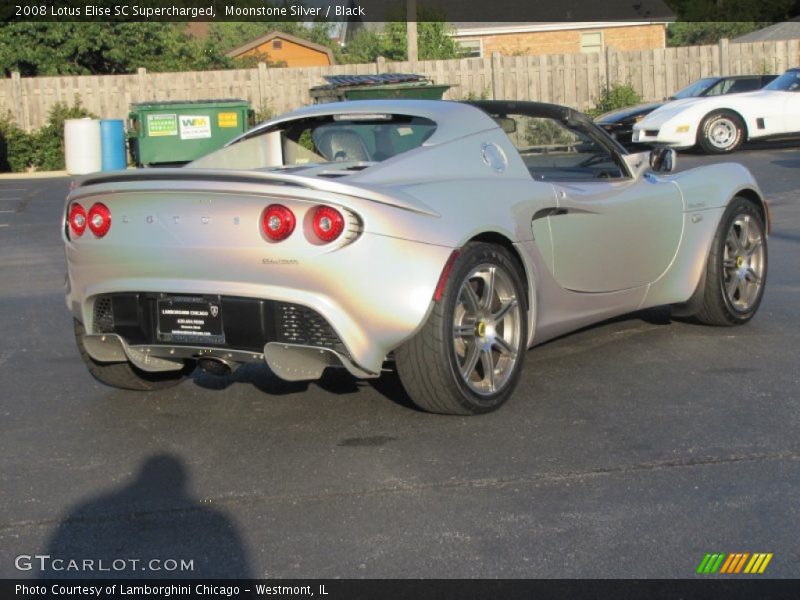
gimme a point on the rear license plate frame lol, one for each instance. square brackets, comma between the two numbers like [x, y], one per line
[194, 320]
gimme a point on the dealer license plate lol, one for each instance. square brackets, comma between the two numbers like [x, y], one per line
[190, 319]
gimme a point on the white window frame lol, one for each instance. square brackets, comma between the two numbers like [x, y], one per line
[584, 49]
[460, 41]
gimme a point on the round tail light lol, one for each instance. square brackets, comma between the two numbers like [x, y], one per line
[277, 222]
[77, 220]
[328, 223]
[99, 219]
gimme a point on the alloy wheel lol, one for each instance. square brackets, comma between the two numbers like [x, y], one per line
[487, 329]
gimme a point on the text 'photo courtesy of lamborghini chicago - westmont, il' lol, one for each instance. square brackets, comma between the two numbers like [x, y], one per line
[440, 239]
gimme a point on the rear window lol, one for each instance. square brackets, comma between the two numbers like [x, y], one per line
[331, 138]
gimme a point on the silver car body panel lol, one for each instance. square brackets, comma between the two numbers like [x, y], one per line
[590, 251]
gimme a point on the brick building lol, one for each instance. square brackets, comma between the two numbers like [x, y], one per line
[510, 39]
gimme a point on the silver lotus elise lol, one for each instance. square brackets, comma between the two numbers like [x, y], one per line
[445, 237]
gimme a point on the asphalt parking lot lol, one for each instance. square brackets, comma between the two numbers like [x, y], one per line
[630, 449]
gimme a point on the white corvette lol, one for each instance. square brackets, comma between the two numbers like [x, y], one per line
[720, 124]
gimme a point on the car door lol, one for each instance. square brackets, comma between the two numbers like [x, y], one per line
[611, 230]
[608, 229]
[614, 235]
[775, 110]
[791, 111]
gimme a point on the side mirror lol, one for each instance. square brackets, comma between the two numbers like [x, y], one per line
[662, 160]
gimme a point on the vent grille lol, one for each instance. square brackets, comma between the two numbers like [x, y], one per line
[103, 315]
[247, 323]
[301, 325]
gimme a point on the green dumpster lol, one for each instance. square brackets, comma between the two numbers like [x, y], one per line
[381, 86]
[181, 131]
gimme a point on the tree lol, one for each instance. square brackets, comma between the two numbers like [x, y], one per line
[708, 21]
[730, 11]
[703, 32]
[73, 48]
[433, 40]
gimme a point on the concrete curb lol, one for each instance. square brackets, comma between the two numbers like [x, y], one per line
[33, 175]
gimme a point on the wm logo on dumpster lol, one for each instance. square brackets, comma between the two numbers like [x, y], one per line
[734, 564]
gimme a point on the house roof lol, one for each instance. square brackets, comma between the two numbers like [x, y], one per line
[283, 36]
[787, 30]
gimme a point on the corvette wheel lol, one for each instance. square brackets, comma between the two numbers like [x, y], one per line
[721, 132]
[468, 356]
[124, 375]
[736, 271]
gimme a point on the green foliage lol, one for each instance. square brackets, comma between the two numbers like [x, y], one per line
[484, 95]
[730, 11]
[433, 41]
[365, 46]
[701, 33]
[546, 132]
[41, 150]
[16, 148]
[765, 68]
[708, 21]
[307, 141]
[49, 140]
[619, 95]
[89, 48]
[264, 112]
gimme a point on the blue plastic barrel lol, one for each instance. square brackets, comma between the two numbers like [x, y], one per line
[112, 137]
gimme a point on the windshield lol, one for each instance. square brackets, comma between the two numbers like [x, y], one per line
[695, 89]
[355, 138]
[788, 82]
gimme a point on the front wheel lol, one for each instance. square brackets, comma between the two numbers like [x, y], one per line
[721, 132]
[468, 356]
[736, 271]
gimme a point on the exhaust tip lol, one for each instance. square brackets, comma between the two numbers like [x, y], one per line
[214, 366]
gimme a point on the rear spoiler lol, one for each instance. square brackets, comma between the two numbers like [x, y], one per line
[396, 199]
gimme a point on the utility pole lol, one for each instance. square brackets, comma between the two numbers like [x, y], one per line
[411, 25]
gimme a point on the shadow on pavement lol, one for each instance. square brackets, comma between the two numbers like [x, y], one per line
[152, 520]
[333, 380]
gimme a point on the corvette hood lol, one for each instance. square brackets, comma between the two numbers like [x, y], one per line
[660, 116]
[616, 116]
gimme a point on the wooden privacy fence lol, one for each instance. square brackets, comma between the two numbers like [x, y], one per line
[572, 79]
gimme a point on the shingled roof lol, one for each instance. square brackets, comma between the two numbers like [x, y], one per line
[787, 30]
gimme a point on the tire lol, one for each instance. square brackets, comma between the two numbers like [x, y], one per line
[124, 375]
[721, 132]
[736, 271]
[473, 321]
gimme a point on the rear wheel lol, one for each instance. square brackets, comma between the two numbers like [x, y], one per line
[721, 132]
[736, 271]
[468, 356]
[124, 375]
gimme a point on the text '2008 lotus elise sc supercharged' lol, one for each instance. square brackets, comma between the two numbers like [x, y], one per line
[447, 237]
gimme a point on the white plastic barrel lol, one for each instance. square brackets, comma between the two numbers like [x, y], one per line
[82, 146]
